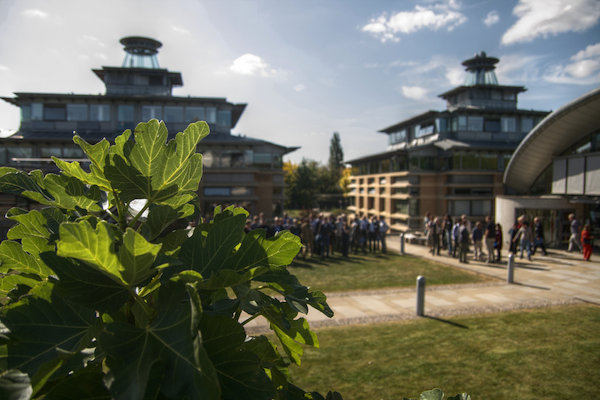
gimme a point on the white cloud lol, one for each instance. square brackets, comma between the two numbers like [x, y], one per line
[300, 87]
[432, 17]
[35, 13]
[414, 92]
[551, 17]
[93, 39]
[491, 18]
[456, 76]
[518, 68]
[251, 65]
[3, 68]
[584, 68]
[180, 30]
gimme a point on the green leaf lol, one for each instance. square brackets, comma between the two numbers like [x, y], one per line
[239, 370]
[86, 286]
[159, 218]
[169, 340]
[137, 257]
[80, 386]
[171, 243]
[10, 282]
[29, 224]
[42, 325]
[15, 385]
[228, 278]
[14, 258]
[70, 193]
[257, 250]
[13, 181]
[95, 247]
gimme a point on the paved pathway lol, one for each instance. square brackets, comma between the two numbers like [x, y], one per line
[558, 278]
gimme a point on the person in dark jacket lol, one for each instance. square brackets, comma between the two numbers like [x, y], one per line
[538, 236]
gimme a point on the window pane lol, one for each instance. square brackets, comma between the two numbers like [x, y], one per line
[489, 161]
[77, 112]
[262, 160]
[526, 124]
[37, 111]
[401, 206]
[492, 125]
[55, 113]
[211, 115]
[481, 207]
[460, 207]
[19, 152]
[476, 124]
[509, 125]
[462, 123]
[470, 161]
[224, 118]
[241, 191]
[249, 158]
[173, 114]
[151, 112]
[47, 152]
[193, 114]
[74, 152]
[125, 113]
[101, 112]
[413, 207]
[217, 191]
[25, 113]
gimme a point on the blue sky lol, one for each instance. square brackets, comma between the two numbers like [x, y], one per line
[308, 68]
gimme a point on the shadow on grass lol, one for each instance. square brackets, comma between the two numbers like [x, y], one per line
[447, 322]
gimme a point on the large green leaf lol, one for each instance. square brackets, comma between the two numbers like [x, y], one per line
[154, 170]
[172, 339]
[14, 258]
[78, 387]
[239, 370]
[29, 185]
[86, 286]
[273, 252]
[41, 326]
[137, 257]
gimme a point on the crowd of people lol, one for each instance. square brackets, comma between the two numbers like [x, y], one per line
[323, 235]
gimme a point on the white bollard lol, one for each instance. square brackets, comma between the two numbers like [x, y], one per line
[402, 243]
[511, 268]
[420, 296]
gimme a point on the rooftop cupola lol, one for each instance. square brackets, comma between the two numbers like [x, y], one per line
[480, 70]
[140, 52]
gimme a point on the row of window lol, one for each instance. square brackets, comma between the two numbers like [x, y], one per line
[464, 123]
[459, 161]
[125, 113]
[228, 191]
[410, 207]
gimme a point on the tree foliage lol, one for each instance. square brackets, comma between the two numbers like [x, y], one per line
[105, 296]
[336, 159]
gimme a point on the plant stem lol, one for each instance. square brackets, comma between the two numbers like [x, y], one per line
[121, 211]
[250, 319]
[150, 287]
[149, 311]
[139, 214]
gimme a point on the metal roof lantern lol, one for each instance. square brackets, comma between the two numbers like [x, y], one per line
[480, 70]
[140, 52]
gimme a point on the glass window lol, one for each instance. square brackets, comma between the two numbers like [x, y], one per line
[173, 114]
[101, 112]
[470, 161]
[476, 124]
[217, 191]
[55, 113]
[454, 124]
[509, 96]
[37, 111]
[509, 125]
[19, 152]
[151, 112]
[492, 125]
[72, 152]
[462, 123]
[398, 163]
[77, 112]
[276, 161]
[2, 155]
[249, 158]
[481, 207]
[193, 114]
[211, 115]
[262, 160]
[401, 206]
[413, 163]
[125, 113]
[489, 161]
[47, 152]
[26, 113]
[413, 207]
[423, 130]
[241, 191]
[429, 163]
[385, 165]
[374, 168]
[224, 117]
[441, 124]
[460, 207]
[526, 124]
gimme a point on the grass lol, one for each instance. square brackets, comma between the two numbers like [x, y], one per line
[550, 353]
[375, 271]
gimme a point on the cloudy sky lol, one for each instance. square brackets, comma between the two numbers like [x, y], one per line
[308, 68]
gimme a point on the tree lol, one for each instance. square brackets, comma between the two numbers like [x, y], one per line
[336, 160]
[304, 182]
[105, 293]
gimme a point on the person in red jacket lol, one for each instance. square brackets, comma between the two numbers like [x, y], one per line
[586, 241]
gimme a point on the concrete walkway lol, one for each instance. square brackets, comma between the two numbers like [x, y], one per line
[558, 278]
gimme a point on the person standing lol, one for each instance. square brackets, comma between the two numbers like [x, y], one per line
[586, 239]
[525, 235]
[456, 238]
[435, 236]
[538, 236]
[383, 230]
[447, 233]
[498, 242]
[575, 234]
[463, 235]
[477, 236]
[308, 238]
[490, 238]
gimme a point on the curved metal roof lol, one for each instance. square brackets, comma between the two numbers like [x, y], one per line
[550, 138]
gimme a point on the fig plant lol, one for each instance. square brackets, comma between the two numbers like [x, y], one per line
[106, 294]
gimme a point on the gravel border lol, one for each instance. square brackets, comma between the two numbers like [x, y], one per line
[412, 289]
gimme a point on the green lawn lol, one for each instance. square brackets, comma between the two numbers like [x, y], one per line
[549, 353]
[375, 271]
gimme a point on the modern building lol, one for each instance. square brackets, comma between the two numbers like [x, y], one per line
[449, 161]
[237, 169]
[555, 171]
